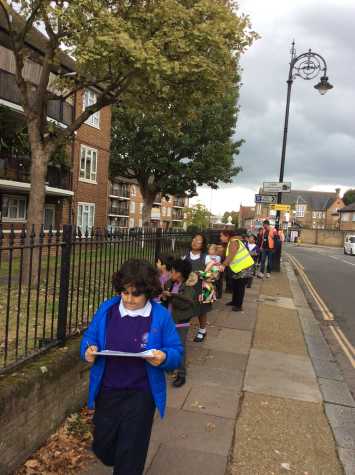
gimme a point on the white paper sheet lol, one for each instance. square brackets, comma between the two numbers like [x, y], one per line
[143, 354]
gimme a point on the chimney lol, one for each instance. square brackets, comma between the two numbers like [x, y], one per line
[337, 191]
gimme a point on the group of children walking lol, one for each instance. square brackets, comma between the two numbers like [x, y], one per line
[127, 389]
[191, 285]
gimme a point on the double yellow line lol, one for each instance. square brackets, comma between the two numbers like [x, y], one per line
[344, 343]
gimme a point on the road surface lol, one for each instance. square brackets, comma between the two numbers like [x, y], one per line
[332, 275]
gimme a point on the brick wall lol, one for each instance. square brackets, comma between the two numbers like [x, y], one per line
[322, 237]
[33, 403]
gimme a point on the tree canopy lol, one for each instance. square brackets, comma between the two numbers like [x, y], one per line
[169, 160]
[349, 197]
[198, 217]
[133, 53]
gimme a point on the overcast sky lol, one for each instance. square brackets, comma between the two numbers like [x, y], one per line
[321, 142]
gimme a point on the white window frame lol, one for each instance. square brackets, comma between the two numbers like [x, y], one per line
[18, 219]
[52, 208]
[79, 219]
[345, 217]
[90, 98]
[133, 190]
[300, 211]
[90, 154]
[132, 207]
[353, 218]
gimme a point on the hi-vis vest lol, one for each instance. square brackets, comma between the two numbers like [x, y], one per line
[242, 260]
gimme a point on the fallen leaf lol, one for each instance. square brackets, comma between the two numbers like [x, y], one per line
[210, 426]
[286, 466]
[44, 369]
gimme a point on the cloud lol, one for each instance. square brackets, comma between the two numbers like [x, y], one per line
[321, 140]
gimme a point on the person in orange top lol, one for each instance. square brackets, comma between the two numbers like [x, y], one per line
[267, 248]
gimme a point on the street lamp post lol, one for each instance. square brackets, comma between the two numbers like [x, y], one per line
[306, 66]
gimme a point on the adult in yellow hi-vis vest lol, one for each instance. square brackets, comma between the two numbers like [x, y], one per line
[239, 264]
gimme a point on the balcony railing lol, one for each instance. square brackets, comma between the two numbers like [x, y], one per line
[58, 110]
[18, 169]
[120, 190]
[179, 202]
[119, 210]
[177, 215]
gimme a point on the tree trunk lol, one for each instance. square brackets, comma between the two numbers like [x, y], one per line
[40, 155]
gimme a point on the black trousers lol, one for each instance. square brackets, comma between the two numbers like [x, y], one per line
[238, 291]
[122, 426]
[182, 331]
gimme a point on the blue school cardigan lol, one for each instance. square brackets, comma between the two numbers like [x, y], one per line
[162, 336]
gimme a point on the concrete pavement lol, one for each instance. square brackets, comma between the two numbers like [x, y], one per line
[252, 404]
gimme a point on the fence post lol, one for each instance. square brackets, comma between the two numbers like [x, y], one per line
[158, 238]
[64, 281]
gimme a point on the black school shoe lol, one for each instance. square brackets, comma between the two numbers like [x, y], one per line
[230, 304]
[179, 381]
[200, 337]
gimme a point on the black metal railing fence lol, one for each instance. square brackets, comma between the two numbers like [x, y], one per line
[52, 283]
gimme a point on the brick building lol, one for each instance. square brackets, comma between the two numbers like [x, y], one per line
[247, 217]
[126, 207]
[311, 209]
[76, 189]
[347, 218]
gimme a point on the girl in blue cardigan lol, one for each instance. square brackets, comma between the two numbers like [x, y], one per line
[126, 390]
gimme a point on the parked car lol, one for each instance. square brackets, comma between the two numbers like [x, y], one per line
[349, 244]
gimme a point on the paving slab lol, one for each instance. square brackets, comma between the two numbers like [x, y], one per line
[279, 374]
[226, 361]
[237, 320]
[203, 375]
[215, 401]
[234, 341]
[177, 461]
[327, 369]
[318, 348]
[272, 431]
[278, 329]
[195, 353]
[336, 392]
[276, 286]
[277, 301]
[342, 420]
[177, 396]
[347, 457]
[185, 429]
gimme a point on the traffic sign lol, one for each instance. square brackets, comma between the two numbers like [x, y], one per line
[276, 187]
[280, 207]
[269, 199]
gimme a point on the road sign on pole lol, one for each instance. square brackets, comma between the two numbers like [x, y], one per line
[269, 199]
[280, 207]
[276, 187]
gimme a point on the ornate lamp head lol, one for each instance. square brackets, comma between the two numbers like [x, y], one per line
[323, 86]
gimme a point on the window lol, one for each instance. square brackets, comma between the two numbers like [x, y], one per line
[14, 208]
[133, 190]
[300, 210]
[133, 207]
[314, 214]
[89, 100]
[345, 217]
[131, 223]
[88, 164]
[49, 216]
[86, 215]
[353, 217]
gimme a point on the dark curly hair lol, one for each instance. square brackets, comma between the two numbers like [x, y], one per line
[141, 275]
[183, 266]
